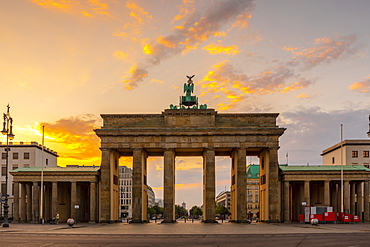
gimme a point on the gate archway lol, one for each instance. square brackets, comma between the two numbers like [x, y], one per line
[191, 132]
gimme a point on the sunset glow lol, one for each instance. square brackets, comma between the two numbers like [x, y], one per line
[64, 62]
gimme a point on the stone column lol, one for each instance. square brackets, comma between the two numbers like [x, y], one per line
[209, 186]
[353, 198]
[366, 201]
[169, 186]
[74, 200]
[307, 193]
[35, 202]
[92, 202]
[138, 183]
[16, 202]
[274, 186]
[23, 203]
[360, 200]
[286, 202]
[239, 190]
[29, 202]
[326, 193]
[346, 196]
[106, 181]
[54, 199]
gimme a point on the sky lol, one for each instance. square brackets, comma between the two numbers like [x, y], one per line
[64, 62]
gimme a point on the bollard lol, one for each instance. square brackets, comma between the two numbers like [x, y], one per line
[70, 221]
[314, 222]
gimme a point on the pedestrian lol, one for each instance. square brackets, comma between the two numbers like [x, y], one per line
[250, 216]
[57, 218]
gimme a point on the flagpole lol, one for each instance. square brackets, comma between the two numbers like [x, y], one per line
[341, 168]
[42, 176]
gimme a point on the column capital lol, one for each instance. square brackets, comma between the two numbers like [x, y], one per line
[168, 149]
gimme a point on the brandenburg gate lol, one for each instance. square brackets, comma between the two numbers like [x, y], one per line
[190, 129]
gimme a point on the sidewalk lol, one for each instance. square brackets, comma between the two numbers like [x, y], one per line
[186, 228]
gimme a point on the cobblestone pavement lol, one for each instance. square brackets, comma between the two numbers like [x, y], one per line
[187, 228]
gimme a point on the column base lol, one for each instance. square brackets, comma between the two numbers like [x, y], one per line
[240, 221]
[209, 221]
[92, 221]
[138, 221]
[168, 221]
[106, 221]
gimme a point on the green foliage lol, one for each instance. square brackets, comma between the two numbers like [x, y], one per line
[180, 211]
[221, 209]
[196, 211]
[151, 211]
[156, 210]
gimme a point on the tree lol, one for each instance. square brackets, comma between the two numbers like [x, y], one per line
[158, 209]
[151, 211]
[180, 211]
[221, 209]
[196, 211]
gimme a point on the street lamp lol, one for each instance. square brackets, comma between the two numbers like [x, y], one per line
[368, 133]
[8, 131]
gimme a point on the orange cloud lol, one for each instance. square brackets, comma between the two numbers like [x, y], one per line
[218, 49]
[235, 86]
[120, 55]
[139, 17]
[361, 86]
[196, 29]
[325, 51]
[242, 21]
[186, 9]
[87, 8]
[75, 139]
[136, 75]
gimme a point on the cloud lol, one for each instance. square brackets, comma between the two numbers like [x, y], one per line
[361, 86]
[220, 49]
[136, 75]
[195, 30]
[236, 86]
[139, 18]
[186, 9]
[86, 8]
[306, 127]
[75, 137]
[325, 51]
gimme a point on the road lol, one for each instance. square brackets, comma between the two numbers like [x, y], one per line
[302, 240]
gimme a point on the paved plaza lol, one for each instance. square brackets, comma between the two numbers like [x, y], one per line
[186, 234]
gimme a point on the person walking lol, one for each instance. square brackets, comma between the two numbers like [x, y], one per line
[57, 218]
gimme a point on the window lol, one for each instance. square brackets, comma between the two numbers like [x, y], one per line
[15, 167]
[366, 154]
[354, 154]
[3, 188]
[26, 156]
[333, 160]
[15, 156]
[47, 161]
[26, 165]
[3, 156]
[3, 170]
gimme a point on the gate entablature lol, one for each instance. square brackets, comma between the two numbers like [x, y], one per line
[191, 130]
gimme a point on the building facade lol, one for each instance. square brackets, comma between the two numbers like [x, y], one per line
[23, 154]
[253, 181]
[348, 152]
[322, 186]
[70, 191]
[125, 195]
[224, 199]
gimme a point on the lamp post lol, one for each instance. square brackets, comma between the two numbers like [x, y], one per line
[8, 131]
[368, 133]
